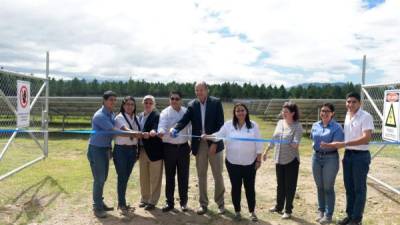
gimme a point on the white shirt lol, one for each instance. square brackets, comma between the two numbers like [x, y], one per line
[203, 116]
[241, 152]
[120, 122]
[354, 127]
[142, 120]
[168, 119]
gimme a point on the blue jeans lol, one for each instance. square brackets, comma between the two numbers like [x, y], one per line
[99, 161]
[355, 171]
[325, 168]
[124, 159]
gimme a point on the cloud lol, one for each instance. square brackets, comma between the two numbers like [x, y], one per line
[272, 42]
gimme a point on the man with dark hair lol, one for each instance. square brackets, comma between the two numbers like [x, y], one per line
[358, 127]
[207, 117]
[99, 151]
[176, 152]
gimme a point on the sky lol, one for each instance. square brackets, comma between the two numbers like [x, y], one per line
[274, 42]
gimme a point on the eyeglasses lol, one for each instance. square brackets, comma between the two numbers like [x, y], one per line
[326, 111]
[175, 99]
[240, 110]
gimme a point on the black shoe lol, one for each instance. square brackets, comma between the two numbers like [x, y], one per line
[100, 213]
[354, 223]
[106, 208]
[149, 207]
[344, 221]
[126, 209]
[253, 217]
[238, 216]
[167, 208]
[221, 210]
[184, 208]
[142, 204]
[202, 210]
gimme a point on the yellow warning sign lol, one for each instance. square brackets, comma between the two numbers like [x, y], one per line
[391, 119]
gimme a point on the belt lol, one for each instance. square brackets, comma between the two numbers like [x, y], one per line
[350, 151]
[130, 146]
[100, 148]
[177, 145]
[326, 152]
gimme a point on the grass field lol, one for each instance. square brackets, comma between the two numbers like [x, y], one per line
[58, 189]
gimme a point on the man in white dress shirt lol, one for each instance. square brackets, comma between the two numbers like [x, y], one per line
[176, 152]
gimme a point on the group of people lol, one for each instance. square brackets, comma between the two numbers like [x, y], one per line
[166, 140]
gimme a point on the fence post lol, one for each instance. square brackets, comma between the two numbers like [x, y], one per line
[363, 80]
[63, 122]
[46, 110]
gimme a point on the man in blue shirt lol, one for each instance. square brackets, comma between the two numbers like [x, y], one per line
[99, 151]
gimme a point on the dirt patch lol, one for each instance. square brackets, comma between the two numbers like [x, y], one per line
[382, 206]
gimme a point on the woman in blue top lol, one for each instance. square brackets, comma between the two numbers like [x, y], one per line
[325, 161]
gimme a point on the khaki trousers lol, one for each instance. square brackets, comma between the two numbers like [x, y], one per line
[150, 178]
[216, 163]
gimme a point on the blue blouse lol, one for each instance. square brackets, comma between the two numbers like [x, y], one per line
[332, 132]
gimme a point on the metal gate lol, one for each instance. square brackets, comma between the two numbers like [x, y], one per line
[19, 150]
[385, 162]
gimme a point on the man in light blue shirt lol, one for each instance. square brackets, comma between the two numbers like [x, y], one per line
[103, 120]
[100, 149]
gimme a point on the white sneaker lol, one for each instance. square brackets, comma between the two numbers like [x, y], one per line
[325, 220]
[286, 216]
[319, 216]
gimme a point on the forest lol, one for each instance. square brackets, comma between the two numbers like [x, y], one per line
[226, 90]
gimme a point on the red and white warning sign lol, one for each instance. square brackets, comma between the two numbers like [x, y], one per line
[391, 113]
[23, 103]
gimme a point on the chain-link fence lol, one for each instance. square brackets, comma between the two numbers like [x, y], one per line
[77, 112]
[19, 150]
[385, 166]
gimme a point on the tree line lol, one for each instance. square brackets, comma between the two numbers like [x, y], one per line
[226, 90]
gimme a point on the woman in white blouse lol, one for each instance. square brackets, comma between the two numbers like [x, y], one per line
[125, 149]
[242, 158]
